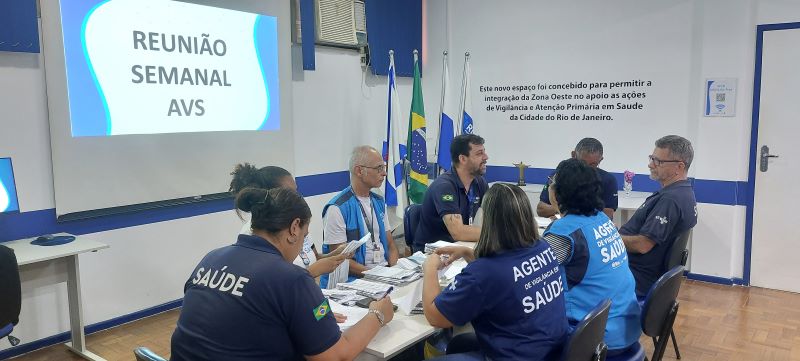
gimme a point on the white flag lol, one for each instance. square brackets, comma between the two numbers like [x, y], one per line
[395, 191]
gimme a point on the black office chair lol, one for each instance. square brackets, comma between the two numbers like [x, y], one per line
[678, 255]
[410, 221]
[11, 302]
[660, 309]
[144, 354]
[462, 343]
[586, 342]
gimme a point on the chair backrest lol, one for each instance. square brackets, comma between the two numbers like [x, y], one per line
[463, 343]
[586, 342]
[410, 222]
[660, 308]
[144, 354]
[11, 302]
[678, 252]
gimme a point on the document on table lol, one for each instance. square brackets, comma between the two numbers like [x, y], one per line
[340, 273]
[543, 222]
[408, 303]
[353, 314]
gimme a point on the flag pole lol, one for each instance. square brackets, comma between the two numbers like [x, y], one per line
[441, 113]
[407, 175]
[389, 120]
[463, 95]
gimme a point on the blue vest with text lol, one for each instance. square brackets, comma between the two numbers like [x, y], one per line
[355, 227]
[598, 269]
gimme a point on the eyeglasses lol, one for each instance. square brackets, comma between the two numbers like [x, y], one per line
[380, 168]
[551, 180]
[659, 162]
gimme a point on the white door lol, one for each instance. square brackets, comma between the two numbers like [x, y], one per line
[776, 208]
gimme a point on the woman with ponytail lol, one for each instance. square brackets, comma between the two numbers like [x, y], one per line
[247, 301]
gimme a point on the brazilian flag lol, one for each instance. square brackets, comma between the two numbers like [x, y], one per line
[417, 146]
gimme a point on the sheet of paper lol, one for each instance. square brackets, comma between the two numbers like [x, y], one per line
[407, 303]
[354, 245]
[354, 314]
[543, 222]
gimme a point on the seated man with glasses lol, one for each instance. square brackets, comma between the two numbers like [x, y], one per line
[590, 151]
[452, 201]
[663, 216]
[356, 211]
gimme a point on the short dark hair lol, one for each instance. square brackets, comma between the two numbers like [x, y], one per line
[589, 146]
[461, 145]
[577, 188]
[247, 175]
[273, 210]
[508, 221]
[679, 147]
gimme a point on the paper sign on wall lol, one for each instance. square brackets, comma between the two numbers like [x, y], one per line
[720, 97]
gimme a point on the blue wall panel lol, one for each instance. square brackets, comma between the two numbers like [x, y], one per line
[19, 27]
[394, 25]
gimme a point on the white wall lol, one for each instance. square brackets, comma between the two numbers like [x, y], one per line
[338, 106]
[677, 44]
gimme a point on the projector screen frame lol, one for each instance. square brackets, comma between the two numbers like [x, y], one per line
[186, 176]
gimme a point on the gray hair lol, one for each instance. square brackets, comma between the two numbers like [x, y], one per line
[359, 156]
[678, 147]
[589, 146]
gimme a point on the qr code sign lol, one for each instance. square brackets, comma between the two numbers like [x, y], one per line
[720, 97]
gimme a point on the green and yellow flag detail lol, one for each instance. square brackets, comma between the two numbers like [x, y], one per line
[416, 144]
[322, 310]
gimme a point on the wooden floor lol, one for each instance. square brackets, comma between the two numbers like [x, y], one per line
[718, 323]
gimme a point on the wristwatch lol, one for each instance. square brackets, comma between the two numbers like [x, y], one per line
[379, 315]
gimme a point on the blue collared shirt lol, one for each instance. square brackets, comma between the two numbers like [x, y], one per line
[245, 302]
[447, 195]
[515, 302]
[662, 218]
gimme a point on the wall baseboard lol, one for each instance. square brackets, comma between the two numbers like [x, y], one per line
[715, 279]
[90, 329]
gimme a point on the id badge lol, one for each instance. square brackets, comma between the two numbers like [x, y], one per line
[377, 256]
[470, 221]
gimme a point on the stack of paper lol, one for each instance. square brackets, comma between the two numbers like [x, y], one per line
[408, 264]
[392, 275]
[367, 288]
[345, 297]
[341, 272]
[430, 247]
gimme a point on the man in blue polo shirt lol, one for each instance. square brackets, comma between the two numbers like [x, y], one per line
[663, 216]
[590, 151]
[449, 207]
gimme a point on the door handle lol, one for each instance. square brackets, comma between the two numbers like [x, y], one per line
[765, 156]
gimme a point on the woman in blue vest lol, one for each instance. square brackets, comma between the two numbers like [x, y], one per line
[510, 291]
[247, 301]
[246, 175]
[592, 254]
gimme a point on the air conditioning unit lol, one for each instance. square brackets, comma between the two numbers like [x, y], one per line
[340, 23]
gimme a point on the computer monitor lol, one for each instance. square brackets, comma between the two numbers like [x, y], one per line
[8, 189]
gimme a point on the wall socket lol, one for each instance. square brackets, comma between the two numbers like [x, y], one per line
[364, 52]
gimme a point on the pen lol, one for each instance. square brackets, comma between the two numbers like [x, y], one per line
[391, 288]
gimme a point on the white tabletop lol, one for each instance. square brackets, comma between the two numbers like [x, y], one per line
[632, 201]
[28, 253]
[402, 332]
[533, 188]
